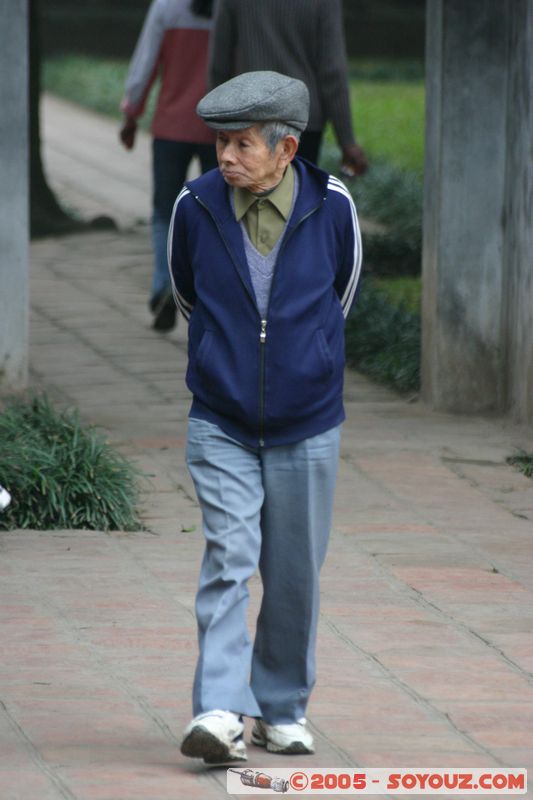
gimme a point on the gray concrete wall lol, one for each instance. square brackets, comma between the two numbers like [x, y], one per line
[476, 230]
[13, 195]
[518, 220]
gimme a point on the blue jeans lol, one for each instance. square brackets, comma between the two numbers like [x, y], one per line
[170, 161]
[269, 508]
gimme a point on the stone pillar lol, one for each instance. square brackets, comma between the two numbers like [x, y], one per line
[13, 195]
[518, 216]
[476, 270]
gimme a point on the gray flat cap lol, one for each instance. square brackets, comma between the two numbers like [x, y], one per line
[256, 97]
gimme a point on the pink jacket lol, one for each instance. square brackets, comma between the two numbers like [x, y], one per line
[173, 44]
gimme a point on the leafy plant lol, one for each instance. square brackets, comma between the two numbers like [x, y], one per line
[393, 198]
[383, 339]
[523, 462]
[62, 474]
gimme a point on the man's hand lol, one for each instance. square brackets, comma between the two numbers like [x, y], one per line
[354, 161]
[127, 133]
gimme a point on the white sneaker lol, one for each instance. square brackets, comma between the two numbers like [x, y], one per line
[5, 498]
[291, 739]
[215, 736]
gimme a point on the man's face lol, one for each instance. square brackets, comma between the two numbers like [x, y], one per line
[245, 160]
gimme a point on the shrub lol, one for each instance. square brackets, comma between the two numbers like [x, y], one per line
[392, 197]
[383, 339]
[523, 462]
[62, 474]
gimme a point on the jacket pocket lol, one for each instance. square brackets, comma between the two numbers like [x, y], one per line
[202, 354]
[223, 374]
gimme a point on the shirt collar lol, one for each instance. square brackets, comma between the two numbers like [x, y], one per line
[280, 196]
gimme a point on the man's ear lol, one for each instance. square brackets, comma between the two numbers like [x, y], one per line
[289, 148]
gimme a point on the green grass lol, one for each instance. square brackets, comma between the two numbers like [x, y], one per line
[388, 99]
[389, 121]
[62, 474]
[404, 292]
[388, 110]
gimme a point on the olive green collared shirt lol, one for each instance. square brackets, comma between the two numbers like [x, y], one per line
[265, 215]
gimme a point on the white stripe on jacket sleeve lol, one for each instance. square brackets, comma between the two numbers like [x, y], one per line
[335, 185]
[184, 306]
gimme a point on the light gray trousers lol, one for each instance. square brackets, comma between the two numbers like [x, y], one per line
[269, 508]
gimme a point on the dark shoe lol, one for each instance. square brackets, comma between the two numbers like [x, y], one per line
[163, 307]
[215, 736]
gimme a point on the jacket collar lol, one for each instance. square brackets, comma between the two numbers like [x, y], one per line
[281, 197]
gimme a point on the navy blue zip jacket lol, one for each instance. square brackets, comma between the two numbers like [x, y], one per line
[278, 380]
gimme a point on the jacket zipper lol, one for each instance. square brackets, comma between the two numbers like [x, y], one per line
[262, 345]
[263, 337]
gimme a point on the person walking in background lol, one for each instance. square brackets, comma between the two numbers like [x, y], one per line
[173, 45]
[300, 38]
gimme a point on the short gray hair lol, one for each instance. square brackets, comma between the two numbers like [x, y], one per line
[274, 132]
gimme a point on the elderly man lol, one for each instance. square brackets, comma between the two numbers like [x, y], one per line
[265, 259]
